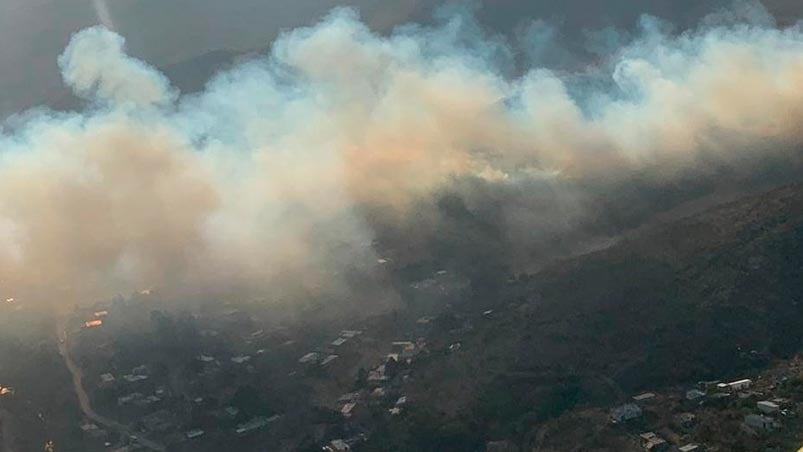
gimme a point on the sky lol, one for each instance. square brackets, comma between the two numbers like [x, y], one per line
[34, 32]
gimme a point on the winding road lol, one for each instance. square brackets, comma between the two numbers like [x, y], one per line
[6, 429]
[83, 397]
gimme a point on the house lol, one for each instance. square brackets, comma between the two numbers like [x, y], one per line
[130, 398]
[377, 375]
[255, 424]
[131, 378]
[767, 407]
[652, 442]
[740, 385]
[625, 413]
[694, 394]
[241, 359]
[193, 434]
[107, 379]
[646, 397]
[349, 397]
[760, 422]
[689, 448]
[309, 358]
[337, 445]
[405, 349]
[328, 360]
[348, 409]
[93, 323]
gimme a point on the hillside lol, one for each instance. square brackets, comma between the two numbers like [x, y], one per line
[710, 296]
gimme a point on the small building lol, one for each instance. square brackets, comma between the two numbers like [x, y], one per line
[740, 385]
[241, 359]
[130, 398]
[646, 397]
[694, 394]
[309, 358]
[689, 448]
[254, 424]
[379, 393]
[328, 360]
[348, 409]
[337, 445]
[349, 397]
[653, 443]
[760, 422]
[193, 434]
[767, 407]
[625, 413]
[131, 378]
[107, 379]
[377, 375]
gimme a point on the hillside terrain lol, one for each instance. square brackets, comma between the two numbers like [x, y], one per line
[711, 296]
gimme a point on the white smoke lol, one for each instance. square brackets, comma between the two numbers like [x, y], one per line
[259, 181]
[96, 67]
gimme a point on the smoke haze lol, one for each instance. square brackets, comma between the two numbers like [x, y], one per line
[282, 173]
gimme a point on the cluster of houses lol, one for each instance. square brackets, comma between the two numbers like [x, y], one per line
[324, 358]
[711, 393]
[383, 389]
[96, 320]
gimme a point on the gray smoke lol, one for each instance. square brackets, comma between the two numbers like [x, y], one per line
[278, 177]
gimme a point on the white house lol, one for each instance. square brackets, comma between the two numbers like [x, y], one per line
[740, 385]
[767, 407]
[625, 412]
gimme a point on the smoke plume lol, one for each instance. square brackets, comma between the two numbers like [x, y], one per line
[280, 175]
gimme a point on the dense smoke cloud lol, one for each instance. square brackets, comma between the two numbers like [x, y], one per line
[280, 175]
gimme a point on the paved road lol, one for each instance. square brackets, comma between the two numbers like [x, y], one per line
[83, 397]
[6, 422]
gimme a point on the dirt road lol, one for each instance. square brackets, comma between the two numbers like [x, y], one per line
[83, 397]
